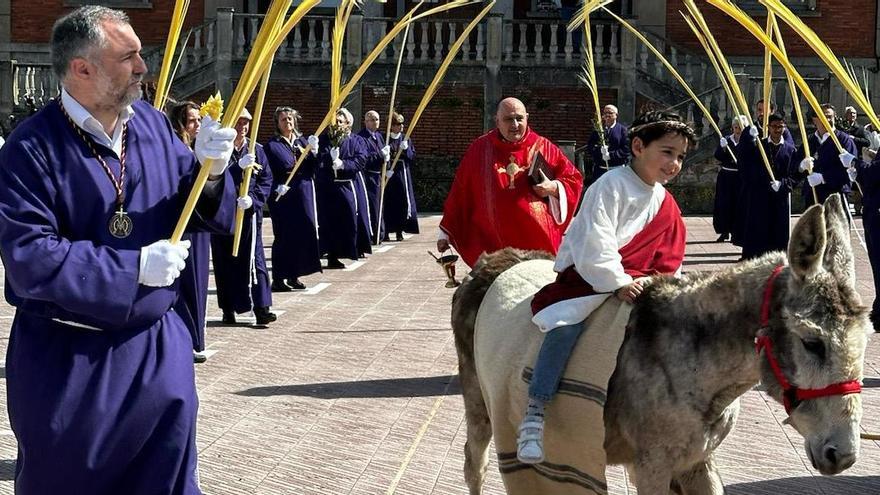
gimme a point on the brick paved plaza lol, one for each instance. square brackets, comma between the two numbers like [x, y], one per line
[353, 391]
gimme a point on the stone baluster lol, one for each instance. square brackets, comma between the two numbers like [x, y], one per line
[568, 46]
[481, 44]
[612, 48]
[523, 49]
[239, 36]
[297, 41]
[688, 68]
[312, 40]
[423, 46]
[659, 70]
[282, 49]
[195, 53]
[599, 43]
[373, 36]
[643, 57]
[438, 41]
[539, 43]
[210, 43]
[673, 59]
[451, 40]
[252, 35]
[722, 109]
[554, 43]
[466, 47]
[325, 40]
[410, 46]
[707, 119]
[395, 48]
[508, 42]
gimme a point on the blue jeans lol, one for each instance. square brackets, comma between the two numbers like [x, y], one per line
[552, 359]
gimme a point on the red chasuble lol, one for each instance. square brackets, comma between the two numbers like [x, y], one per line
[482, 214]
[657, 249]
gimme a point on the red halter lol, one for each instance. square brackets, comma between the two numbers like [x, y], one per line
[791, 395]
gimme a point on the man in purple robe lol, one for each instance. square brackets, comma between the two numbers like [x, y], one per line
[726, 217]
[829, 166]
[342, 205]
[399, 209]
[243, 280]
[765, 201]
[294, 208]
[613, 149]
[378, 153]
[100, 383]
[867, 173]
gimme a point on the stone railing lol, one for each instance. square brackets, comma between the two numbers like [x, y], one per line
[538, 42]
[428, 41]
[308, 41]
[33, 83]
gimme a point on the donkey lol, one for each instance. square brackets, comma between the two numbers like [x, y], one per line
[689, 353]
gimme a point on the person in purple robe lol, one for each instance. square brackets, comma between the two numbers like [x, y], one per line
[193, 303]
[378, 154]
[342, 205]
[829, 166]
[400, 210]
[613, 149]
[243, 280]
[766, 201]
[101, 390]
[760, 108]
[867, 173]
[294, 208]
[726, 218]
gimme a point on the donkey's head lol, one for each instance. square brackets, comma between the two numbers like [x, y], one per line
[818, 330]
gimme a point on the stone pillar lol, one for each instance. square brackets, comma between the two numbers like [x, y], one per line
[492, 83]
[626, 93]
[223, 67]
[354, 51]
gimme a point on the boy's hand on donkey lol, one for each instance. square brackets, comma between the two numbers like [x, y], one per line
[631, 291]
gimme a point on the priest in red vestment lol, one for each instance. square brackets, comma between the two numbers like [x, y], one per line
[493, 203]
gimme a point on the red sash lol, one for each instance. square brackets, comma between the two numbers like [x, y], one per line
[658, 248]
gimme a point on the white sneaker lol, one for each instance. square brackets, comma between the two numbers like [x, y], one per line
[530, 440]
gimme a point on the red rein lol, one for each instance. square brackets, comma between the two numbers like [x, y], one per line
[791, 395]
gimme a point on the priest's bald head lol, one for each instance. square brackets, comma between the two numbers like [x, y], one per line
[512, 119]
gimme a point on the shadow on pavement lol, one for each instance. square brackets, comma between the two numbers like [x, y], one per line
[809, 485]
[394, 387]
[7, 469]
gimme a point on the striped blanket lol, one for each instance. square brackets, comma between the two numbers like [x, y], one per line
[505, 347]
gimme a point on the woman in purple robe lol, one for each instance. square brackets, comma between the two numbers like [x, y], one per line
[193, 303]
[342, 204]
[100, 382]
[294, 208]
[242, 279]
[399, 209]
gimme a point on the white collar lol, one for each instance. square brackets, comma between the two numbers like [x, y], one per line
[612, 125]
[770, 140]
[244, 144]
[87, 122]
[821, 138]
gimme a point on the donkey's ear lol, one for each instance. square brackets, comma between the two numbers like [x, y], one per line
[838, 257]
[806, 247]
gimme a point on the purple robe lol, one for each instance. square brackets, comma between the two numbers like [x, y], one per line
[727, 191]
[101, 391]
[869, 178]
[295, 249]
[827, 162]
[243, 280]
[767, 212]
[342, 200]
[375, 141]
[617, 140]
[399, 209]
[193, 303]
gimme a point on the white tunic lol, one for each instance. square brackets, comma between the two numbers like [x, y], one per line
[614, 209]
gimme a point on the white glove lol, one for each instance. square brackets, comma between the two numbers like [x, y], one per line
[389, 173]
[244, 202]
[281, 190]
[386, 152]
[874, 138]
[161, 263]
[846, 158]
[852, 173]
[815, 179]
[337, 164]
[313, 142]
[723, 142]
[806, 164]
[334, 153]
[753, 131]
[775, 185]
[214, 143]
[404, 145]
[605, 155]
[248, 160]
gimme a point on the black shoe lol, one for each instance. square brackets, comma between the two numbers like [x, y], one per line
[199, 357]
[280, 286]
[334, 264]
[228, 318]
[875, 320]
[295, 284]
[264, 316]
[723, 238]
[398, 237]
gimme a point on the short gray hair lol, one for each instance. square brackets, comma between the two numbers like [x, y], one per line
[741, 120]
[79, 32]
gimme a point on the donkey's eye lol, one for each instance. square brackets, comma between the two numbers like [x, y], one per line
[815, 347]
